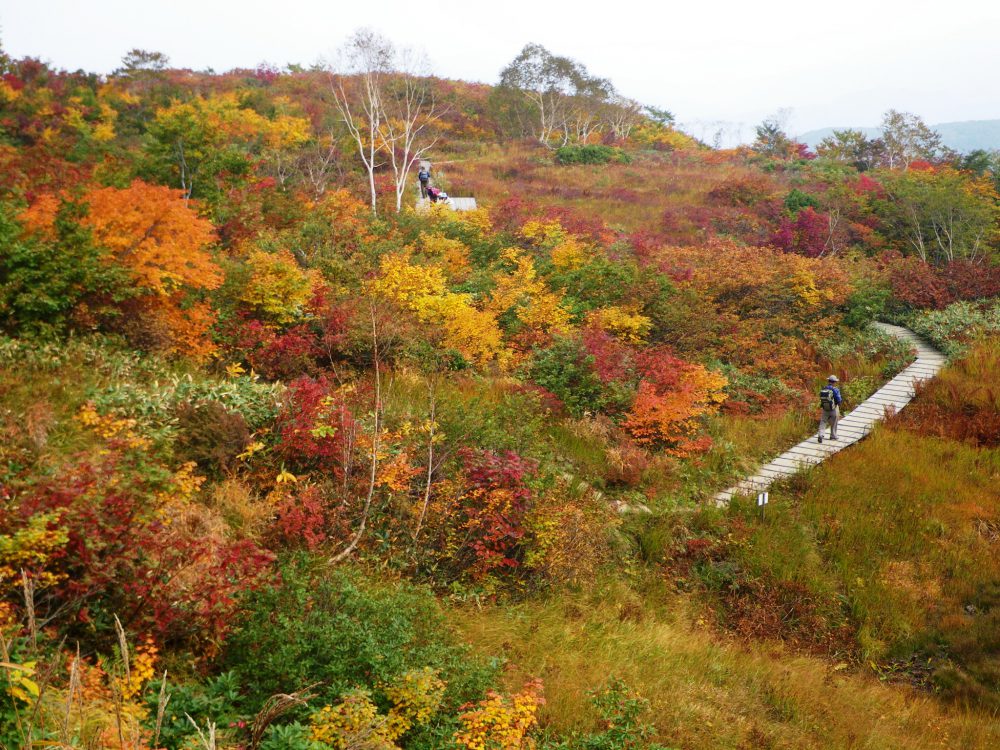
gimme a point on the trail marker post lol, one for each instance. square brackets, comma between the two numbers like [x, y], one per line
[762, 500]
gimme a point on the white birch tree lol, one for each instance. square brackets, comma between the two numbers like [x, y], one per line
[364, 62]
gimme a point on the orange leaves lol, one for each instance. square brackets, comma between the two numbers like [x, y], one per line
[188, 327]
[40, 218]
[669, 404]
[159, 237]
[163, 242]
[156, 234]
[502, 723]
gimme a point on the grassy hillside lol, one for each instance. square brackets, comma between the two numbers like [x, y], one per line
[284, 464]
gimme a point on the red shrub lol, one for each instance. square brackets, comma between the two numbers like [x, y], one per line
[967, 280]
[332, 320]
[301, 519]
[131, 552]
[494, 506]
[915, 283]
[867, 186]
[612, 358]
[806, 233]
[511, 214]
[742, 190]
[314, 427]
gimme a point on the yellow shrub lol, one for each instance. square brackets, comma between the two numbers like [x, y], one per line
[502, 723]
[625, 324]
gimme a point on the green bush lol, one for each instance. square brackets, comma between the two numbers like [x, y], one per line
[338, 628]
[213, 700]
[567, 370]
[43, 284]
[294, 736]
[866, 304]
[622, 726]
[594, 154]
[796, 200]
[951, 330]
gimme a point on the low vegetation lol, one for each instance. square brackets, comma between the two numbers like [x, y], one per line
[288, 463]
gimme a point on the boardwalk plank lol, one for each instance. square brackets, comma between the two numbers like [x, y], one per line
[892, 396]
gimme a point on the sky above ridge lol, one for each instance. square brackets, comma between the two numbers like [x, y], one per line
[719, 66]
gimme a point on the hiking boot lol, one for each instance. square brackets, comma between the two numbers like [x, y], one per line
[833, 437]
[819, 439]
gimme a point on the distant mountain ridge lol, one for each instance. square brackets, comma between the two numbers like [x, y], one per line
[963, 136]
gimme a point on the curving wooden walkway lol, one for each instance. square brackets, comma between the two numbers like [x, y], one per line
[891, 397]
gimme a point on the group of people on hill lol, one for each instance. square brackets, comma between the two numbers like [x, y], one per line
[428, 191]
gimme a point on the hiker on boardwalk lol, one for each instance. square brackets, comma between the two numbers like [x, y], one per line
[424, 175]
[829, 402]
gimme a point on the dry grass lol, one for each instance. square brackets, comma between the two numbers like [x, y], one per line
[705, 693]
[629, 196]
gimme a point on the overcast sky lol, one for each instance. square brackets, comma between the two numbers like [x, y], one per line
[733, 61]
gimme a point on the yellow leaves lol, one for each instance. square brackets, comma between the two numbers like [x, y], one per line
[408, 284]
[278, 287]
[522, 290]
[472, 332]
[141, 671]
[104, 132]
[286, 130]
[423, 291]
[807, 291]
[110, 427]
[97, 123]
[235, 370]
[477, 220]
[502, 723]
[251, 450]
[285, 477]
[416, 697]
[569, 255]
[567, 251]
[453, 254]
[220, 118]
[30, 547]
[185, 483]
[544, 233]
[20, 685]
[8, 93]
[625, 324]
[353, 721]
[356, 723]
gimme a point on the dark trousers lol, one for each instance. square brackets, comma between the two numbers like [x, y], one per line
[423, 189]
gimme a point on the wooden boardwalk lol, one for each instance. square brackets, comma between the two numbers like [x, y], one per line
[890, 398]
[455, 204]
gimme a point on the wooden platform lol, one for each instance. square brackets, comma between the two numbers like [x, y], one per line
[890, 398]
[455, 204]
